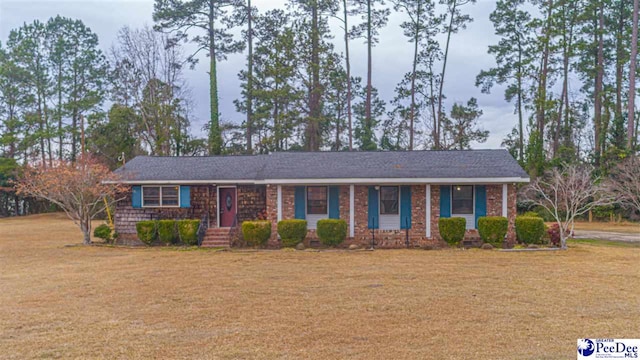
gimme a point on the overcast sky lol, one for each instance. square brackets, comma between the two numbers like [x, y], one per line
[392, 56]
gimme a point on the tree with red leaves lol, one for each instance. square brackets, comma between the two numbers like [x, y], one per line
[79, 188]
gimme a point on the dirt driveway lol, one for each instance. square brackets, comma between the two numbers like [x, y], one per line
[607, 235]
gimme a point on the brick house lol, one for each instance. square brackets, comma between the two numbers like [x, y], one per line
[393, 196]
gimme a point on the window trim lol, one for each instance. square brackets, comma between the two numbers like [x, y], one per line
[160, 197]
[473, 198]
[380, 200]
[306, 195]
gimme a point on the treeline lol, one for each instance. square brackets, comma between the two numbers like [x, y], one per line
[565, 65]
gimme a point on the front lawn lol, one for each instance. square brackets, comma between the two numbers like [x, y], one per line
[105, 302]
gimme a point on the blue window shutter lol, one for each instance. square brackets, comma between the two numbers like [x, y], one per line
[300, 203]
[334, 202]
[481, 202]
[405, 207]
[445, 201]
[374, 221]
[185, 196]
[136, 196]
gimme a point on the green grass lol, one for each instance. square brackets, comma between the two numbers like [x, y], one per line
[609, 243]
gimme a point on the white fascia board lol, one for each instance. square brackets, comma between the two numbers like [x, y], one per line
[337, 181]
[377, 181]
[181, 182]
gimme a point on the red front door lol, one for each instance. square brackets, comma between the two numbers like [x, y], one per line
[227, 206]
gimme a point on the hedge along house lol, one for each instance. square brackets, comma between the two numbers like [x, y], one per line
[394, 195]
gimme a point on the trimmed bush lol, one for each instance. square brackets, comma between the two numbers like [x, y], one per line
[292, 232]
[188, 231]
[256, 233]
[492, 229]
[531, 214]
[167, 231]
[103, 232]
[529, 230]
[331, 232]
[147, 231]
[452, 229]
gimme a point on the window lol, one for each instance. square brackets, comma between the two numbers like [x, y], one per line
[170, 195]
[389, 200]
[151, 196]
[317, 200]
[160, 196]
[462, 199]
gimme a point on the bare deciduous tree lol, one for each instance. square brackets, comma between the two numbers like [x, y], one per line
[625, 183]
[78, 188]
[568, 193]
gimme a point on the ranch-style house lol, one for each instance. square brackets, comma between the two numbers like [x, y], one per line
[393, 197]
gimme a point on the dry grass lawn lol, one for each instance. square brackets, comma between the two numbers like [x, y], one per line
[99, 302]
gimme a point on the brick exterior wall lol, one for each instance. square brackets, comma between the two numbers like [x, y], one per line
[256, 201]
[126, 216]
[252, 202]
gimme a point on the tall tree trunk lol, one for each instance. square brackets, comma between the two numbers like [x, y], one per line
[444, 68]
[565, 84]
[367, 115]
[598, 87]
[249, 77]
[544, 71]
[60, 131]
[416, 39]
[313, 126]
[619, 60]
[348, 65]
[520, 116]
[631, 134]
[215, 137]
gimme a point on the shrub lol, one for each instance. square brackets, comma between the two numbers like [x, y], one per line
[331, 232]
[553, 232]
[292, 232]
[492, 229]
[103, 232]
[147, 231]
[256, 233]
[188, 231]
[452, 229]
[531, 214]
[167, 231]
[529, 230]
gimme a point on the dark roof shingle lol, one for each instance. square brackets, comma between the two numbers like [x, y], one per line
[327, 165]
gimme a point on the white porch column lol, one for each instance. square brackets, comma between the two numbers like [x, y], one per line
[352, 200]
[428, 209]
[504, 200]
[279, 202]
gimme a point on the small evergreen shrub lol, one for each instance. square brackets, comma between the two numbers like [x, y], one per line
[292, 232]
[147, 231]
[530, 230]
[531, 214]
[452, 229]
[492, 229]
[188, 231]
[103, 232]
[256, 233]
[331, 232]
[167, 231]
